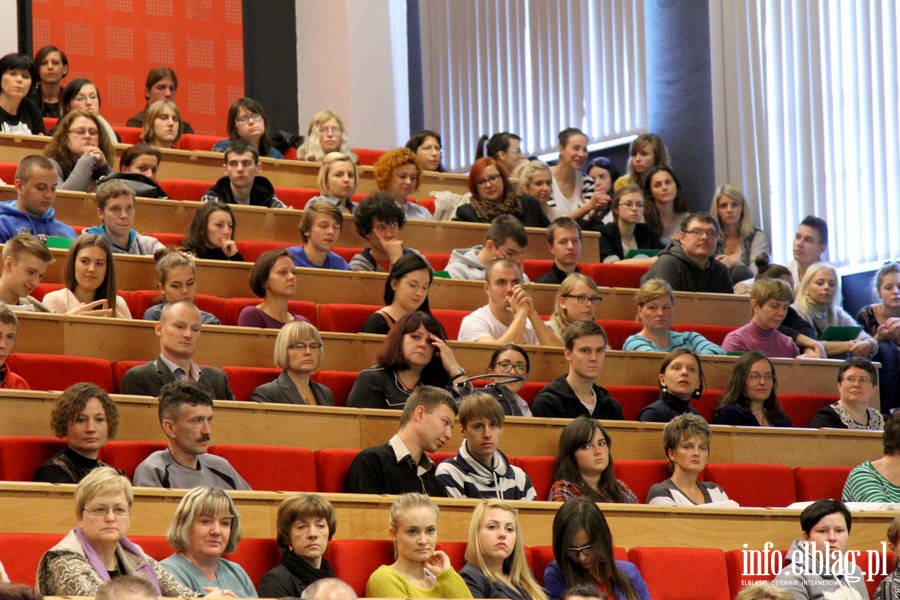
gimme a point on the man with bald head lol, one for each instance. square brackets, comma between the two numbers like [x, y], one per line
[178, 329]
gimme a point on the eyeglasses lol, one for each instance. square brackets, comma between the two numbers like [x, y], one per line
[492, 179]
[84, 132]
[853, 380]
[331, 130]
[702, 233]
[632, 205]
[582, 299]
[101, 511]
[573, 553]
[767, 377]
[508, 367]
[243, 120]
[302, 347]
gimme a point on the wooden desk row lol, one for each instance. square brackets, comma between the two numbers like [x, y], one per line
[257, 223]
[118, 339]
[317, 427]
[48, 508]
[323, 286]
[208, 166]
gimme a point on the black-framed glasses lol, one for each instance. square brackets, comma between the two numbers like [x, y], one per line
[508, 367]
[582, 299]
[587, 550]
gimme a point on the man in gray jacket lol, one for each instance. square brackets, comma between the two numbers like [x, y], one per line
[505, 238]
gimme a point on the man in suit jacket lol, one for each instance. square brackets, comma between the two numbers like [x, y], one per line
[178, 329]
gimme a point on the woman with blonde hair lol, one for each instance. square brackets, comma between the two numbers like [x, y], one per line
[496, 566]
[577, 299]
[534, 179]
[740, 242]
[337, 181]
[420, 570]
[656, 310]
[162, 126]
[176, 274]
[81, 151]
[298, 352]
[205, 526]
[326, 134]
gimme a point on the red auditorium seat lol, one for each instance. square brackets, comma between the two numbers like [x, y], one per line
[339, 382]
[128, 454]
[43, 289]
[271, 468]
[801, 408]
[346, 253]
[530, 390]
[155, 546]
[50, 123]
[456, 551]
[706, 404]
[737, 580]
[742, 483]
[234, 306]
[541, 556]
[21, 553]
[714, 333]
[354, 561]
[640, 475]
[706, 578]
[344, 318]
[140, 300]
[8, 172]
[332, 465]
[451, 319]
[129, 135]
[58, 371]
[618, 330]
[253, 249]
[616, 275]
[427, 203]
[535, 267]
[437, 260]
[633, 398]
[168, 239]
[244, 380]
[119, 369]
[296, 197]
[196, 141]
[439, 457]
[540, 469]
[291, 153]
[211, 304]
[813, 483]
[258, 556]
[367, 156]
[185, 189]
[21, 455]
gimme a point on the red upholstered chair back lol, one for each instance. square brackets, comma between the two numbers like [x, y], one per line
[354, 561]
[271, 468]
[168, 239]
[244, 380]
[155, 546]
[21, 455]
[706, 578]
[128, 454]
[540, 469]
[21, 553]
[633, 398]
[813, 483]
[530, 390]
[253, 249]
[258, 556]
[541, 556]
[140, 300]
[8, 172]
[451, 319]
[296, 197]
[129, 135]
[742, 483]
[616, 275]
[801, 408]
[535, 268]
[456, 551]
[618, 330]
[120, 368]
[196, 141]
[58, 371]
[706, 404]
[640, 475]
[44, 288]
[438, 260]
[185, 189]
[345, 318]
[211, 304]
[332, 465]
[367, 156]
[427, 203]
[339, 382]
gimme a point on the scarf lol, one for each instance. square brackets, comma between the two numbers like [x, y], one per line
[128, 546]
[304, 571]
[488, 210]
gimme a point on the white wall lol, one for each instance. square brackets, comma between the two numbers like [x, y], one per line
[9, 30]
[352, 59]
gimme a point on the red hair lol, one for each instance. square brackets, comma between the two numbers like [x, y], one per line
[478, 169]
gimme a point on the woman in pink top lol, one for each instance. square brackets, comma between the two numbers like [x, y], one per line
[769, 301]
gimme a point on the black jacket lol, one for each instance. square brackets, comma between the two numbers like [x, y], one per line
[559, 400]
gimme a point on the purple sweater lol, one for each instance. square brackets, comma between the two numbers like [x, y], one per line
[753, 337]
[251, 316]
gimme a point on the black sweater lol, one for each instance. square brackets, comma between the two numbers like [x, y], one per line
[375, 470]
[559, 400]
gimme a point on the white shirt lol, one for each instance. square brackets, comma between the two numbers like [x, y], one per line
[482, 323]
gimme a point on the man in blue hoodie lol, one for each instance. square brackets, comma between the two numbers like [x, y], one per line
[32, 211]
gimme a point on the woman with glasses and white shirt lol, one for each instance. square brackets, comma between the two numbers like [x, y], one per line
[856, 381]
[577, 299]
[298, 352]
[247, 121]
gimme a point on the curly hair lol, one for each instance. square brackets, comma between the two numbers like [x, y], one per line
[390, 160]
[58, 148]
[69, 405]
[312, 148]
[381, 206]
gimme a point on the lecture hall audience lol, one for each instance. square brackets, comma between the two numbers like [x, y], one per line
[326, 134]
[856, 381]
[564, 241]
[379, 221]
[32, 210]
[666, 205]
[567, 194]
[272, 278]
[533, 178]
[505, 238]
[82, 94]
[247, 121]
[337, 181]
[81, 151]
[493, 195]
[648, 150]
[627, 232]
[601, 174]
[510, 360]
[176, 275]
[18, 114]
[427, 146]
[398, 173]
[769, 302]
[881, 320]
[242, 183]
[115, 201]
[162, 126]
[750, 399]
[9, 330]
[25, 262]
[319, 231]
[680, 381]
[504, 147]
[739, 240]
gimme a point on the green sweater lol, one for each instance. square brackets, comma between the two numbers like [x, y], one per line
[387, 582]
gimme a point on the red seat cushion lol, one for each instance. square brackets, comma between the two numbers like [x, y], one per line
[21, 455]
[58, 371]
[120, 368]
[368, 156]
[339, 382]
[801, 408]
[184, 189]
[332, 465]
[8, 172]
[244, 380]
[21, 553]
[540, 470]
[44, 288]
[345, 318]
[296, 197]
[140, 300]
[167, 239]
[354, 561]
[456, 551]
[616, 275]
[258, 556]
[813, 483]
[211, 304]
[633, 398]
[743, 483]
[706, 578]
[438, 260]
[535, 268]
[618, 330]
[129, 135]
[530, 390]
[196, 141]
[271, 468]
[640, 475]
[155, 546]
[128, 454]
[253, 249]
[451, 319]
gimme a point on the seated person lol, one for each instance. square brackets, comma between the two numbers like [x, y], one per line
[32, 210]
[326, 134]
[493, 195]
[686, 442]
[504, 147]
[162, 125]
[176, 274]
[90, 281]
[80, 151]
[319, 231]
[405, 291]
[186, 414]
[666, 206]
[242, 183]
[86, 417]
[882, 321]
[809, 247]
[656, 311]
[25, 262]
[305, 523]
[627, 231]
[402, 465]
[826, 532]
[50, 67]
[584, 465]
[427, 146]
[564, 243]
[750, 400]
[397, 172]
[534, 179]
[138, 166]
[739, 240]
[577, 299]
[856, 383]
[690, 265]
[480, 469]
[509, 315]
[575, 393]
[206, 525]
[769, 301]
[510, 359]
[337, 182]
[890, 585]
[19, 115]
[680, 380]
[9, 330]
[598, 185]
[379, 220]
[878, 480]
[818, 302]
[211, 233]
[115, 207]
[272, 278]
[505, 238]
[414, 353]
[298, 352]
[162, 84]
[82, 94]
[247, 122]
[178, 330]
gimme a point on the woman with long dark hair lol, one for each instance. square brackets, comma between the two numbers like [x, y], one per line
[751, 398]
[247, 121]
[405, 291]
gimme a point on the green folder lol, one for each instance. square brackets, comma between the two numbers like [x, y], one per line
[841, 333]
[642, 252]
